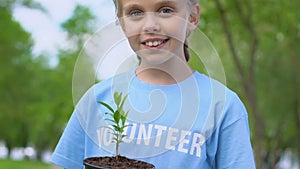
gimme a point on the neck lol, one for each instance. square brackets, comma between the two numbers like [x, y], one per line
[170, 72]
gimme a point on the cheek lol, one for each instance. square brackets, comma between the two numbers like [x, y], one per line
[134, 42]
[131, 29]
[132, 32]
[176, 29]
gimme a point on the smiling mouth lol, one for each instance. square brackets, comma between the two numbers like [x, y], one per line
[154, 43]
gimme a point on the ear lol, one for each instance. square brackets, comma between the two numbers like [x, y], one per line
[194, 16]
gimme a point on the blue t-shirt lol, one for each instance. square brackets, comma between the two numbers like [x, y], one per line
[196, 123]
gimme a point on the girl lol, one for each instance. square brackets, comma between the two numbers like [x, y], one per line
[178, 117]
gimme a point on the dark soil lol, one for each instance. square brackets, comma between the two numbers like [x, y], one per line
[112, 163]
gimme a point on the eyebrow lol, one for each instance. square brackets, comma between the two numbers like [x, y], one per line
[167, 2]
[162, 3]
[131, 6]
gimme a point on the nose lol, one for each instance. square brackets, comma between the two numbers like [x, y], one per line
[151, 23]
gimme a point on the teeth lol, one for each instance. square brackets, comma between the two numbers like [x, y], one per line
[154, 43]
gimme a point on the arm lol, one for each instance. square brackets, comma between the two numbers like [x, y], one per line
[234, 146]
[69, 152]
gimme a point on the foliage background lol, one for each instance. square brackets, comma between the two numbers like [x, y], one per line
[258, 41]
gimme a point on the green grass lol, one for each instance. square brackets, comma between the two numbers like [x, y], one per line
[25, 164]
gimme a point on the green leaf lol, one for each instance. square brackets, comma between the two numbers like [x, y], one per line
[116, 128]
[123, 101]
[107, 106]
[117, 117]
[117, 98]
[124, 117]
[110, 120]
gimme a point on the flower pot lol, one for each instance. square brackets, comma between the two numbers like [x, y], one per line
[112, 163]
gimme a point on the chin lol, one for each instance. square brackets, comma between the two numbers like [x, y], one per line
[155, 59]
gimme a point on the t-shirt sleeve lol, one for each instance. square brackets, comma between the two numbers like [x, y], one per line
[234, 146]
[69, 152]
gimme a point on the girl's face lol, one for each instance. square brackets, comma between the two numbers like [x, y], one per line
[157, 29]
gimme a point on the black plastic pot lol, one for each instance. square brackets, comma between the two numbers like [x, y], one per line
[92, 166]
[89, 166]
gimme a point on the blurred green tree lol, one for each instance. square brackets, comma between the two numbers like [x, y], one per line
[15, 51]
[55, 95]
[258, 42]
[36, 99]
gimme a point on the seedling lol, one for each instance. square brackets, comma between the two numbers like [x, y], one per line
[118, 118]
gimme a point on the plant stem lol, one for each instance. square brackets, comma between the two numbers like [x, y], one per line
[117, 151]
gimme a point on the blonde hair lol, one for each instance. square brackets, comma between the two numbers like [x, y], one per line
[185, 45]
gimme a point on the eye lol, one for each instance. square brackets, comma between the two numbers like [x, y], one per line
[135, 13]
[166, 11]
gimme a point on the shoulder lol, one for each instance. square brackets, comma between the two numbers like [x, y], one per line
[117, 82]
[101, 91]
[223, 105]
[216, 89]
[106, 87]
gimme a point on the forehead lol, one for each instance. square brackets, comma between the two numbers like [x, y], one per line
[149, 3]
